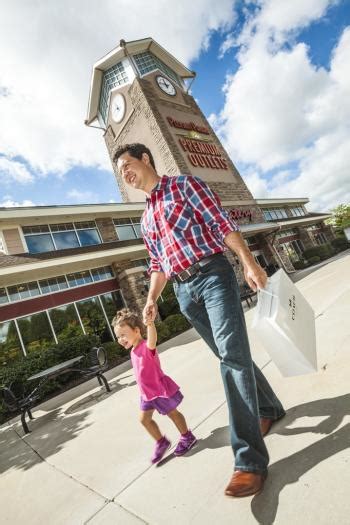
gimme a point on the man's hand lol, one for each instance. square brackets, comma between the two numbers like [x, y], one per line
[255, 276]
[150, 311]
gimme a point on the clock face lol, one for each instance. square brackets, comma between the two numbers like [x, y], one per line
[118, 108]
[166, 86]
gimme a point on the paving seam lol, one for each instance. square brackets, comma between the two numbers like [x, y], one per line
[60, 470]
[117, 505]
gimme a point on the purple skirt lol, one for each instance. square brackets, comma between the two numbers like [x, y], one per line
[163, 405]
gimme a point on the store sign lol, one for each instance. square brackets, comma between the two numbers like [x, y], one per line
[189, 126]
[236, 213]
[200, 153]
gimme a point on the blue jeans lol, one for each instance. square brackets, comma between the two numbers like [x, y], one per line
[210, 300]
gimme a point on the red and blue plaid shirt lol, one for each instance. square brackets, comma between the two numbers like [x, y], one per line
[182, 223]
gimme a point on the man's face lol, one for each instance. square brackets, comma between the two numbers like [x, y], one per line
[134, 171]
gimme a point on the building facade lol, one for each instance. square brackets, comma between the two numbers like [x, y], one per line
[65, 270]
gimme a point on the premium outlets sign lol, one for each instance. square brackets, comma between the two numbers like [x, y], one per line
[200, 152]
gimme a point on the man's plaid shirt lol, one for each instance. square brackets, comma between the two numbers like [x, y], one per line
[182, 223]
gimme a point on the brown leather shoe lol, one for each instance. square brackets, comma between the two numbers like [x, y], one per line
[265, 425]
[245, 484]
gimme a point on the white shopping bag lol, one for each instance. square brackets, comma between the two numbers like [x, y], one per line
[285, 323]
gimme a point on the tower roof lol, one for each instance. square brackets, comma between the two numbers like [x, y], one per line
[123, 51]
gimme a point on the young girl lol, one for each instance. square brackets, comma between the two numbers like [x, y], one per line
[158, 391]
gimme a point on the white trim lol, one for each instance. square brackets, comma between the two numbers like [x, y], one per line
[19, 336]
[52, 328]
[71, 259]
[299, 220]
[287, 200]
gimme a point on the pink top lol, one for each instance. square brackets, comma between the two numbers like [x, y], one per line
[148, 374]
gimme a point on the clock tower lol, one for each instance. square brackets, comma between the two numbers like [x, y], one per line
[139, 93]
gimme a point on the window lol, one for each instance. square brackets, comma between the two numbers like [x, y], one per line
[128, 228]
[147, 62]
[3, 296]
[65, 322]
[112, 302]
[87, 233]
[64, 236]
[99, 274]
[53, 285]
[114, 76]
[272, 214]
[36, 331]
[79, 278]
[23, 291]
[286, 233]
[297, 211]
[45, 238]
[251, 241]
[93, 318]
[10, 345]
[39, 243]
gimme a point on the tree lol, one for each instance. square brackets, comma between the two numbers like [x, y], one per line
[340, 217]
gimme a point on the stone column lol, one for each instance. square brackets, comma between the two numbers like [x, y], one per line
[132, 285]
[305, 237]
[106, 229]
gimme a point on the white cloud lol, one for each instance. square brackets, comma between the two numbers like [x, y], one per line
[8, 202]
[14, 171]
[281, 110]
[82, 196]
[47, 58]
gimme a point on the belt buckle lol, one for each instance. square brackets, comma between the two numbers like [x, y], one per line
[183, 276]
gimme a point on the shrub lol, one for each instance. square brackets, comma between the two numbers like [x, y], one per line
[340, 244]
[299, 265]
[323, 252]
[40, 359]
[116, 353]
[314, 260]
[163, 332]
[177, 324]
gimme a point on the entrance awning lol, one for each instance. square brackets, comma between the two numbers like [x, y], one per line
[260, 227]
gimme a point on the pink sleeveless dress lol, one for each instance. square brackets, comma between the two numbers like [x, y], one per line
[158, 391]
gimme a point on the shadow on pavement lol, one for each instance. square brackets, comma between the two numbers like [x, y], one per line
[290, 469]
[49, 432]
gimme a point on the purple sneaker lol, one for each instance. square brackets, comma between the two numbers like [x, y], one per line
[161, 447]
[186, 442]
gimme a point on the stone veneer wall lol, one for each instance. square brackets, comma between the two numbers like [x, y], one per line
[107, 229]
[131, 285]
[305, 238]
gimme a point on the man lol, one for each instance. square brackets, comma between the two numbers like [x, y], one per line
[186, 231]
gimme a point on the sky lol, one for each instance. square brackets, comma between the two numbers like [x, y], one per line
[273, 79]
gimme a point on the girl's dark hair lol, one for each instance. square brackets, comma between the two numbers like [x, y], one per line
[126, 316]
[135, 150]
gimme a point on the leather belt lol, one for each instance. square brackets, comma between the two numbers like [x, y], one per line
[192, 270]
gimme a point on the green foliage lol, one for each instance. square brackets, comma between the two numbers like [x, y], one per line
[163, 332]
[340, 217]
[177, 323]
[323, 252]
[314, 260]
[42, 358]
[299, 265]
[116, 354]
[340, 244]
[169, 305]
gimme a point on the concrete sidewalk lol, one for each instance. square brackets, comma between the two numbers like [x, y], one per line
[87, 458]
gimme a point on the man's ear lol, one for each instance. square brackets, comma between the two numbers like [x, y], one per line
[145, 159]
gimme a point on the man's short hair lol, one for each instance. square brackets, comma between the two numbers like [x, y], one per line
[135, 150]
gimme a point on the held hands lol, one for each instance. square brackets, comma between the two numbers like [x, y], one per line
[150, 312]
[255, 276]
